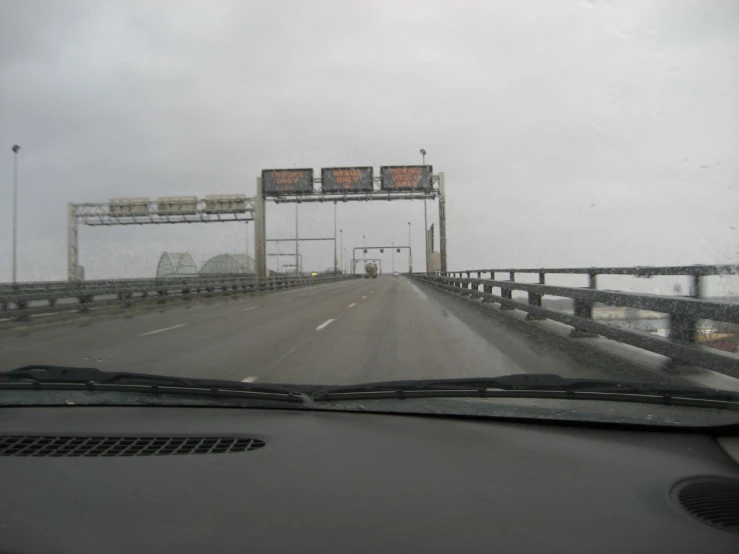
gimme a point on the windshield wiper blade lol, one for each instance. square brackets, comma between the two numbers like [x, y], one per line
[522, 385]
[52, 377]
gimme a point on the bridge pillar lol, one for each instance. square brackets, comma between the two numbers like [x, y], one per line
[487, 289]
[683, 327]
[22, 315]
[584, 309]
[507, 293]
[84, 301]
[534, 300]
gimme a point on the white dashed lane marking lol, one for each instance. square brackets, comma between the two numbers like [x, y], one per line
[249, 380]
[324, 324]
[162, 330]
[352, 304]
[249, 308]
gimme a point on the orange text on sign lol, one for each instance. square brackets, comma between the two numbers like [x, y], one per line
[406, 177]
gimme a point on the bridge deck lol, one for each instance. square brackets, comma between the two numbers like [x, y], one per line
[348, 332]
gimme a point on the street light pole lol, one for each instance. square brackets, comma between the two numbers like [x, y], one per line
[410, 251]
[341, 248]
[425, 218]
[15, 149]
[336, 260]
[297, 265]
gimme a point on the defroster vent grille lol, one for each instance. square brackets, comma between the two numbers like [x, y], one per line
[111, 446]
[712, 500]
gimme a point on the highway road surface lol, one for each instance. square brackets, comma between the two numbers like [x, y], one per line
[350, 332]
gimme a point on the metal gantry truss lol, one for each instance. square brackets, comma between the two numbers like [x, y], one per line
[377, 194]
[146, 212]
[354, 262]
[149, 212]
[398, 247]
[102, 214]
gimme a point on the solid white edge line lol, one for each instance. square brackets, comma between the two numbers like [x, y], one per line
[324, 324]
[162, 330]
[249, 379]
[249, 308]
[352, 304]
[418, 291]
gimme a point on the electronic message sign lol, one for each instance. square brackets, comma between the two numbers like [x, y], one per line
[225, 203]
[177, 205]
[129, 207]
[346, 179]
[276, 182]
[401, 178]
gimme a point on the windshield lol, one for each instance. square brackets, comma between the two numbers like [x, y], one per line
[339, 194]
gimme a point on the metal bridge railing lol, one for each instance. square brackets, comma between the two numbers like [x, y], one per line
[21, 301]
[684, 313]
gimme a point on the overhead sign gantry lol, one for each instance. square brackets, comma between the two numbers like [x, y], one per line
[346, 184]
[215, 208]
[336, 184]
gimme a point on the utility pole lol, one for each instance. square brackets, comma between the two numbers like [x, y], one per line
[336, 260]
[341, 248]
[15, 149]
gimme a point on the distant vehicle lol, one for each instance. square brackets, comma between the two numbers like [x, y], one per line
[314, 274]
[395, 274]
[370, 270]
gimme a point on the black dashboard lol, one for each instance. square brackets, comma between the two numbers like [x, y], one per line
[147, 479]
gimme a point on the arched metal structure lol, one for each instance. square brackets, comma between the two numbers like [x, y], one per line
[214, 208]
[228, 263]
[172, 264]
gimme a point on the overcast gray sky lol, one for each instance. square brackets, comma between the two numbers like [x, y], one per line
[572, 133]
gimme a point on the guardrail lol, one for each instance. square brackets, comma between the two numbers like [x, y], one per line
[684, 313]
[21, 301]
